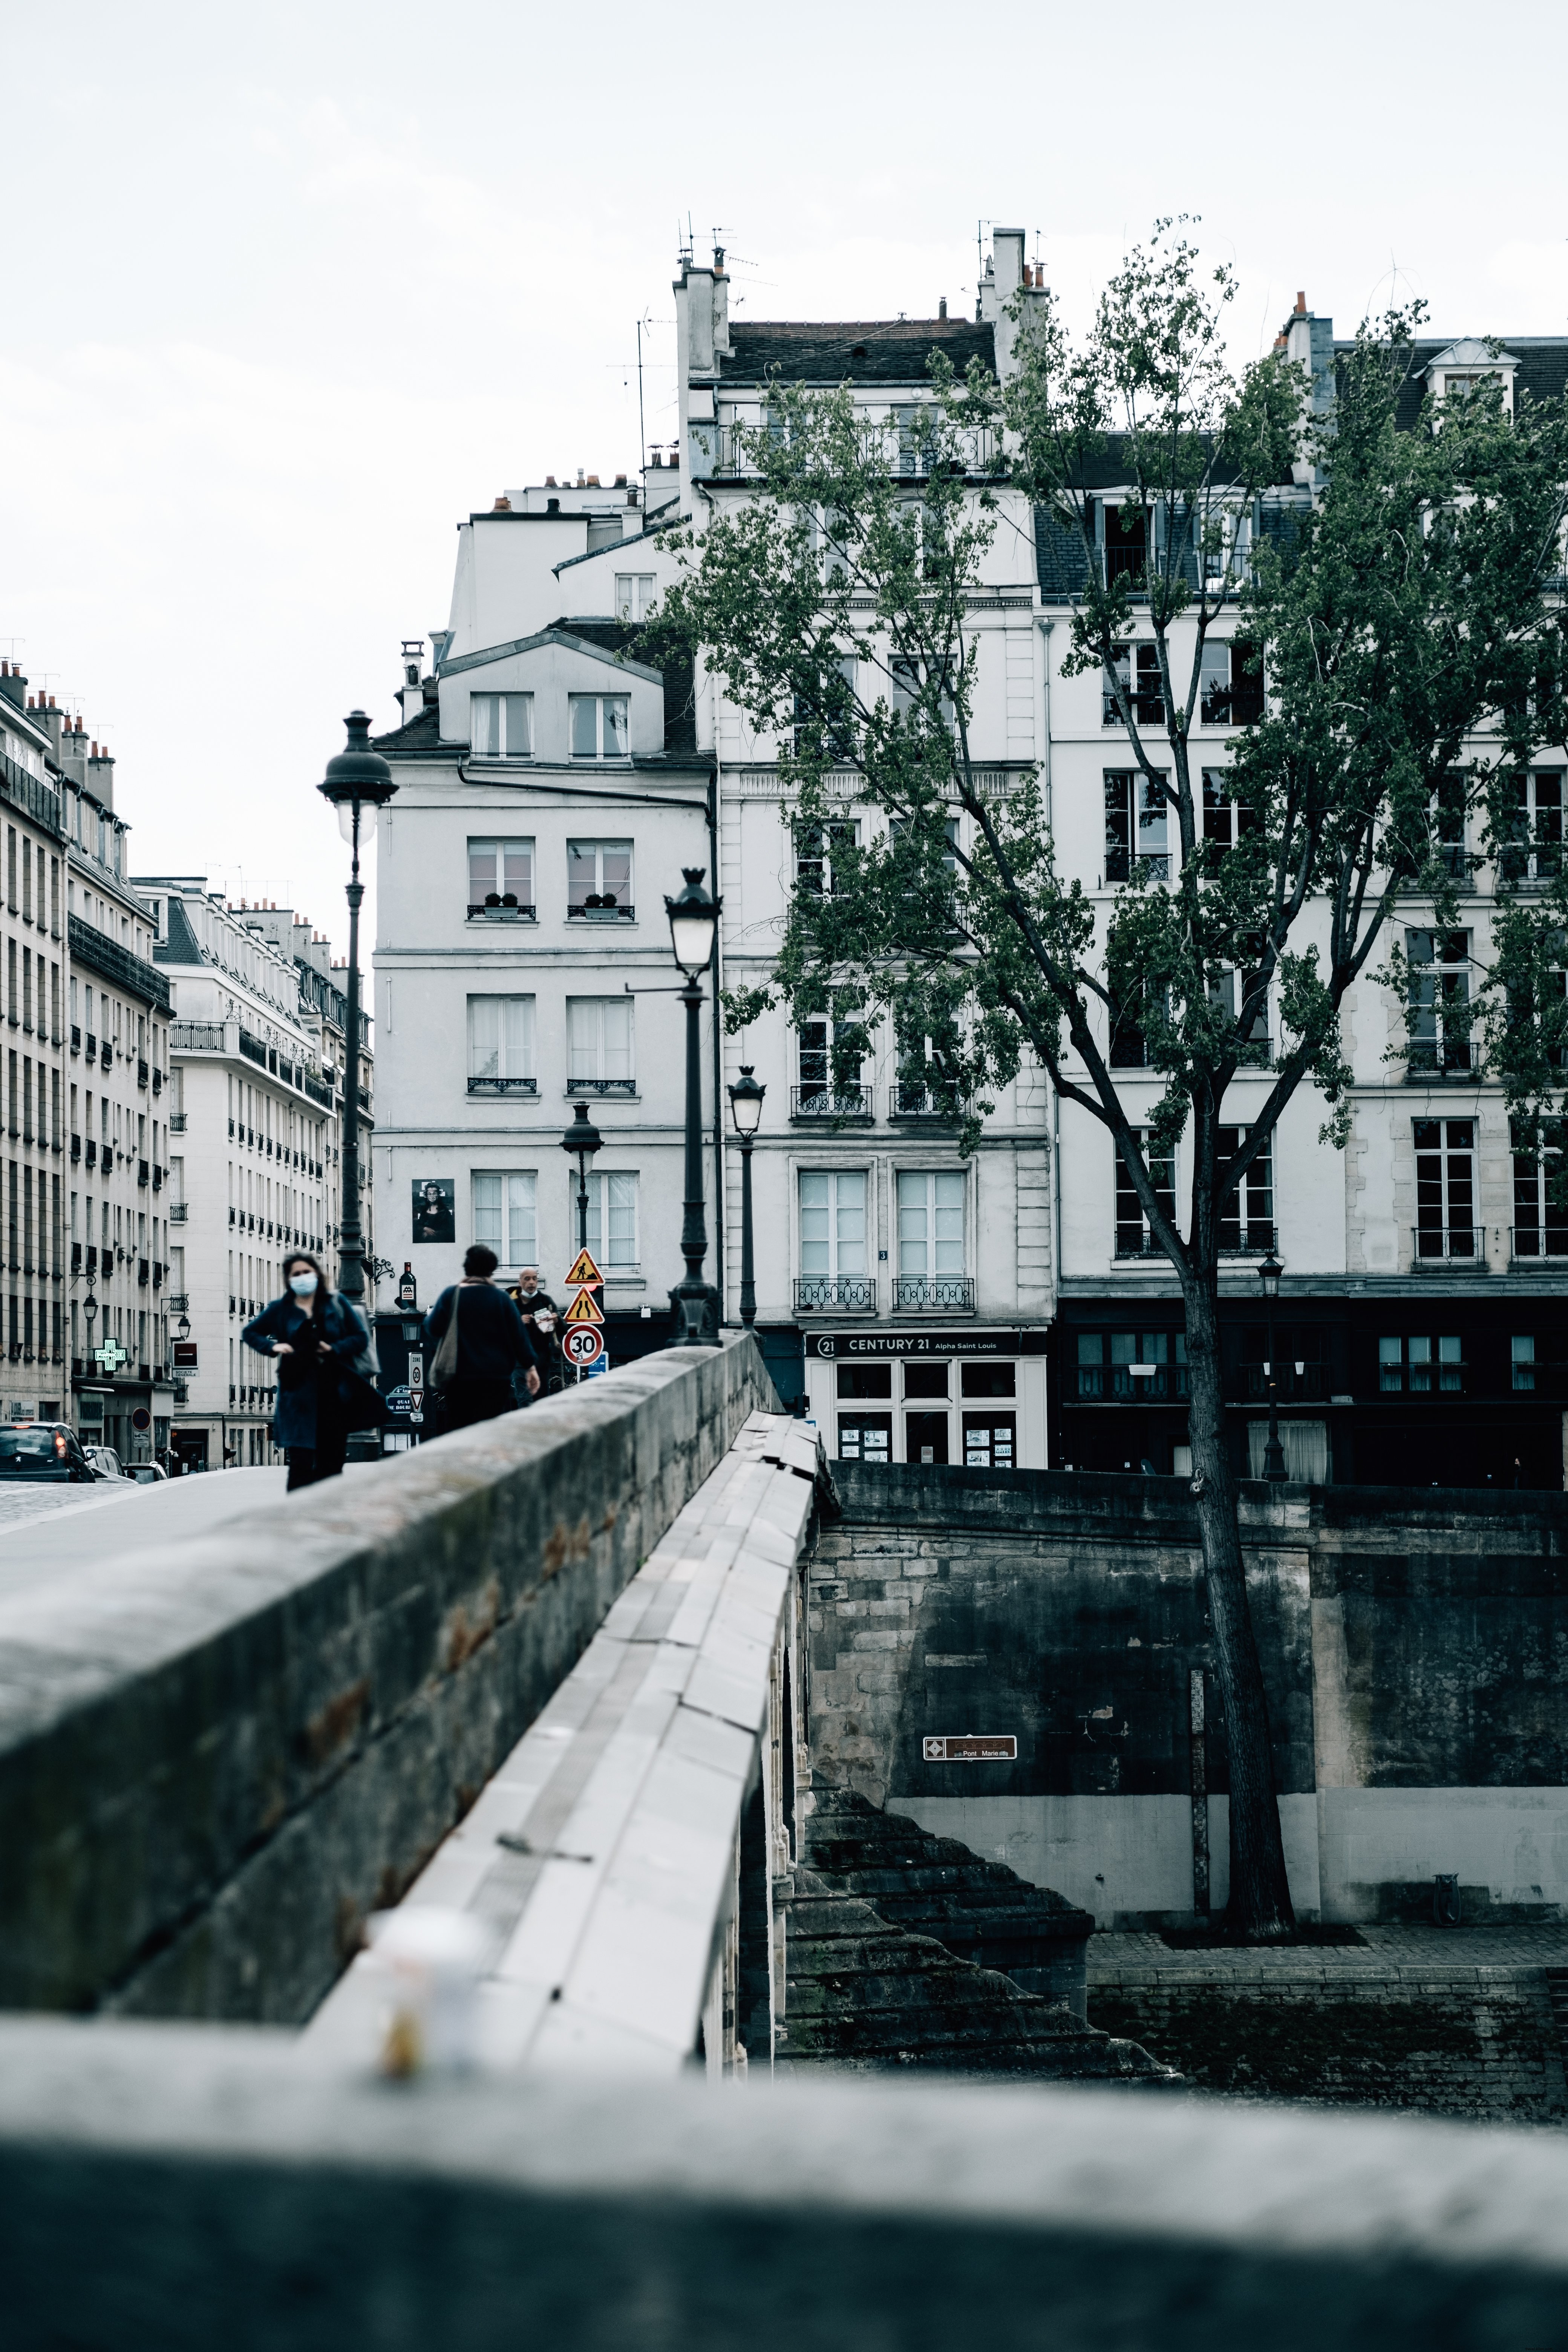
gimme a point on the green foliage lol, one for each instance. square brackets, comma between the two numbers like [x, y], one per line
[832, 592]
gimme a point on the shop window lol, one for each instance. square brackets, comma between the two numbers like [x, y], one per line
[990, 1441]
[865, 1380]
[925, 1435]
[866, 1437]
[989, 1380]
[925, 1380]
[1421, 1365]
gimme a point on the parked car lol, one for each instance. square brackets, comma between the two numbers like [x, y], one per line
[105, 1461]
[44, 1449]
[147, 1474]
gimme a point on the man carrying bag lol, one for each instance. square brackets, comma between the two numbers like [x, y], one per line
[479, 1339]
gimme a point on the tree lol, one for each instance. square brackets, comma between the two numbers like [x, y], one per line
[1399, 609]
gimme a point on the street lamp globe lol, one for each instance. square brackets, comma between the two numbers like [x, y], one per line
[183, 1328]
[358, 777]
[746, 1101]
[693, 919]
[1268, 1275]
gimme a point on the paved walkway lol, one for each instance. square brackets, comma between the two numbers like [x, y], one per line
[1400, 1952]
[72, 1524]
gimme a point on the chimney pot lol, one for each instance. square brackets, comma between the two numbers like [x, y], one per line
[51, 702]
[1300, 306]
[593, 483]
[620, 481]
[941, 307]
[502, 506]
[550, 482]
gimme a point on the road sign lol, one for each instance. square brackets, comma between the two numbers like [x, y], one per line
[141, 1418]
[397, 1400]
[584, 1345]
[112, 1355]
[585, 1308]
[583, 1273]
[183, 1353]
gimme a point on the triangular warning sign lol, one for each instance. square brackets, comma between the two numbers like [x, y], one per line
[584, 1271]
[585, 1308]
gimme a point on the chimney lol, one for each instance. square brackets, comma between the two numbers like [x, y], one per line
[593, 482]
[501, 506]
[550, 482]
[941, 307]
[1300, 306]
[1006, 273]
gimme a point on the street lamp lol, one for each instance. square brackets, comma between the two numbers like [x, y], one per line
[357, 779]
[694, 921]
[1268, 1275]
[582, 1139]
[183, 1328]
[746, 1110]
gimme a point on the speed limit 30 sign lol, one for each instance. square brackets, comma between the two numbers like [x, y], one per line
[583, 1344]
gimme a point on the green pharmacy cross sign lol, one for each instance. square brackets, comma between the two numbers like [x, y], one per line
[112, 1355]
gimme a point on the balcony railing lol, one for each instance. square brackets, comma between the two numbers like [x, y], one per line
[1130, 1383]
[1461, 1245]
[822, 1102]
[940, 1294]
[143, 1075]
[1538, 1242]
[837, 1294]
[602, 911]
[906, 1101]
[601, 1086]
[192, 1037]
[92, 1046]
[1255, 1238]
[501, 910]
[75, 1037]
[503, 1086]
[1307, 1385]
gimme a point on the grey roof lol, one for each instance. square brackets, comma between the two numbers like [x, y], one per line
[422, 733]
[182, 945]
[575, 639]
[1541, 368]
[112, 961]
[876, 350]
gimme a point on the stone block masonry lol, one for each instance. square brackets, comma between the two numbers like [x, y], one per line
[1414, 1647]
[215, 1762]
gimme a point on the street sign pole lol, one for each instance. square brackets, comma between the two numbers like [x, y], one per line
[583, 1337]
[416, 1392]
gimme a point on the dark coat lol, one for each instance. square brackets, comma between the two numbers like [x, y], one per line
[492, 1336]
[298, 1381]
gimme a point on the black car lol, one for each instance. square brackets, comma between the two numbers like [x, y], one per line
[43, 1449]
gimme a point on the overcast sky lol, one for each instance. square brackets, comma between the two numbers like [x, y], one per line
[290, 290]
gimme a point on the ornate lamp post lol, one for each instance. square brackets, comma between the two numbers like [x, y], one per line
[582, 1139]
[357, 779]
[694, 921]
[746, 1110]
[1268, 1275]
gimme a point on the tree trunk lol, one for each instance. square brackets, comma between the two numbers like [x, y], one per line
[1260, 1909]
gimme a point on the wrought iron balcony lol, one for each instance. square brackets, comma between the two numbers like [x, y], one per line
[143, 1075]
[912, 1101]
[503, 1086]
[601, 1086]
[822, 1102]
[1254, 1237]
[1454, 1245]
[1130, 1383]
[837, 1294]
[1536, 1242]
[602, 911]
[940, 1294]
[496, 910]
[1293, 1384]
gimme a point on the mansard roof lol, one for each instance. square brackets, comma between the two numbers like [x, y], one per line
[874, 351]
[1538, 365]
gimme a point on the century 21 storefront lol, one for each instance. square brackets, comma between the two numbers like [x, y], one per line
[977, 1398]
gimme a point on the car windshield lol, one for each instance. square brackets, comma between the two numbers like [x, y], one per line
[29, 1445]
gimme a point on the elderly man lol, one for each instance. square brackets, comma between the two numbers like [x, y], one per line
[542, 1320]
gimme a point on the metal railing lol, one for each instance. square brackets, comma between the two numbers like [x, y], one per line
[601, 1086]
[823, 1102]
[1538, 1242]
[839, 1294]
[608, 910]
[909, 1101]
[940, 1294]
[176, 1123]
[253, 1049]
[1253, 1238]
[192, 1037]
[503, 1086]
[501, 910]
[1449, 1246]
[1130, 1383]
[1308, 1384]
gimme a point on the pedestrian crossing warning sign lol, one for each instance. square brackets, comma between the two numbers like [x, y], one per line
[585, 1308]
[584, 1271]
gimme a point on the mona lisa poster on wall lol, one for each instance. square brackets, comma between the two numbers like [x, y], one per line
[435, 1209]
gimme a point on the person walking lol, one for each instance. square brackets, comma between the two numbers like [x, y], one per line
[321, 1345]
[542, 1320]
[471, 1364]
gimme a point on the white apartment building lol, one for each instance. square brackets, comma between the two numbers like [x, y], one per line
[254, 1155]
[1004, 1309]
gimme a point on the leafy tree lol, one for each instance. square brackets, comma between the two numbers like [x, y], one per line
[1403, 611]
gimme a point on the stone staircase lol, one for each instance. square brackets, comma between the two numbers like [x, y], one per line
[893, 1940]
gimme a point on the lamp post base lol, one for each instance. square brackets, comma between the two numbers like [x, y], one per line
[697, 1311]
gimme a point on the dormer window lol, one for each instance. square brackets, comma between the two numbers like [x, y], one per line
[1466, 367]
[599, 725]
[502, 725]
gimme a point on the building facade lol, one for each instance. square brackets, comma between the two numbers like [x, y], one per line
[1001, 1308]
[253, 1156]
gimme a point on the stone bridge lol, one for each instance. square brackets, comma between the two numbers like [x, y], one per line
[533, 1704]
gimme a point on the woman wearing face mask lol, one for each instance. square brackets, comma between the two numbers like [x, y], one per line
[322, 1348]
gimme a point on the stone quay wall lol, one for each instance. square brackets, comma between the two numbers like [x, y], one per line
[1414, 1647]
[216, 1761]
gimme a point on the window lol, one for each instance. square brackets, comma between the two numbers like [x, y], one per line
[1440, 1013]
[866, 1437]
[815, 846]
[821, 1093]
[930, 1223]
[824, 717]
[1247, 1216]
[1121, 666]
[913, 427]
[1225, 994]
[500, 878]
[833, 1260]
[1445, 1189]
[1226, 820]
[599, 727]
[1132, 1236]
[501, 1045]
[599, 1045]
[1521, 1352]
[1125, 541]
[1136, 814]
[1421, 1365]
[1131, 1367]
[611, 1218]
[1535, 852]
[907, 689]
[1230, 691]
[505, 1216]
[1150, 700]
[599, 881]
[501, 726]
[990, 1441]
[1447, 841]
[634, 596]
[1540, 1211]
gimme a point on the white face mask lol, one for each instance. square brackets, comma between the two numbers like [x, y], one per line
[302, 1285]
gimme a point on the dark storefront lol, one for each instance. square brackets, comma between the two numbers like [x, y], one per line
[1456, 1390]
